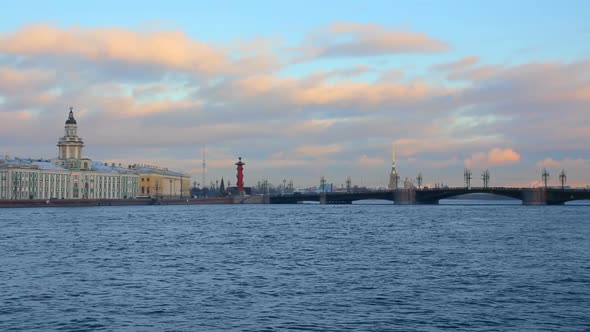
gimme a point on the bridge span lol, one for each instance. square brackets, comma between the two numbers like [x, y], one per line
[528, 196]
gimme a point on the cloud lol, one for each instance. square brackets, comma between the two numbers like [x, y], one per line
[167, 49]
[318, 92]
[549, 162]
[346, 39]
[367, 161]
[494, 157]
[582, 93]
[317, 151]
[24, 82]
[569, 163]
[163, 106]
[432, 140]
[391, 75]
[460, 64]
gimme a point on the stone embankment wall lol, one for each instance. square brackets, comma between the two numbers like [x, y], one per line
[251, 199]
[24, 203]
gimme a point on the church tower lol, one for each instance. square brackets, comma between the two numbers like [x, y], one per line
[70, 147]
[393, 177]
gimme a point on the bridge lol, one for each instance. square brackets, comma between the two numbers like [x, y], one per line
[528, 196]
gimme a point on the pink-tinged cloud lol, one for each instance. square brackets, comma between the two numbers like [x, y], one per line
[460, 64]
[15, 80]
[319, 92]
[578, 164]
[317, 151]
[495, 156]
[367, 161]
[163, 106]
[366, 93]
[170, 49]
[499, 156]
[583, 93]
[549, 162]
[15, 116]
[259, 84]
[344, 39]
[431, 138]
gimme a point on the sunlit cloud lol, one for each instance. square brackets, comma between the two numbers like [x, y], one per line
[347, 39]
[494, 157]
[169, 49]
[549, 162]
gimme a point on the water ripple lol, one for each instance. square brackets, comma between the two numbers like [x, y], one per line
[295, 268]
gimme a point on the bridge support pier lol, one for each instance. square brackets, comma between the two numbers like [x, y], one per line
[324, 198]
[404, 196]
[534, 196]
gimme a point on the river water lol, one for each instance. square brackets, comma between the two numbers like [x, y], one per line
[297, 267]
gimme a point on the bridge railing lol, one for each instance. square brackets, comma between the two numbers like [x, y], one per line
[473, 188]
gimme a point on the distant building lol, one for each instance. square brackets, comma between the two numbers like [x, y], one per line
[408, 184]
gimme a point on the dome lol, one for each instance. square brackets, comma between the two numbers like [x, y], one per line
[71, 119]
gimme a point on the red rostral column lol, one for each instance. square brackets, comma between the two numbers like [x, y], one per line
[240, 176]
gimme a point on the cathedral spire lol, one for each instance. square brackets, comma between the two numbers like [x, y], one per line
[393, 176]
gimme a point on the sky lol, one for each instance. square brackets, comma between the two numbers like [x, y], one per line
[305, 89]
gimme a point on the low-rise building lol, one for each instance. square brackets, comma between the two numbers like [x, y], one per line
[161, 182]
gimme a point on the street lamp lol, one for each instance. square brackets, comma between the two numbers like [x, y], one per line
[545, 176]
[467, 176]
[485, 176]
[348, 184]
[562, 178]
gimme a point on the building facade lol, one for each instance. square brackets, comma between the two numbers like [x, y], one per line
[29, 179]
[22, 179]
[161, 182]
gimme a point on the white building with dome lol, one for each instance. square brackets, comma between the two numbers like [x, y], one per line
[69, 176]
